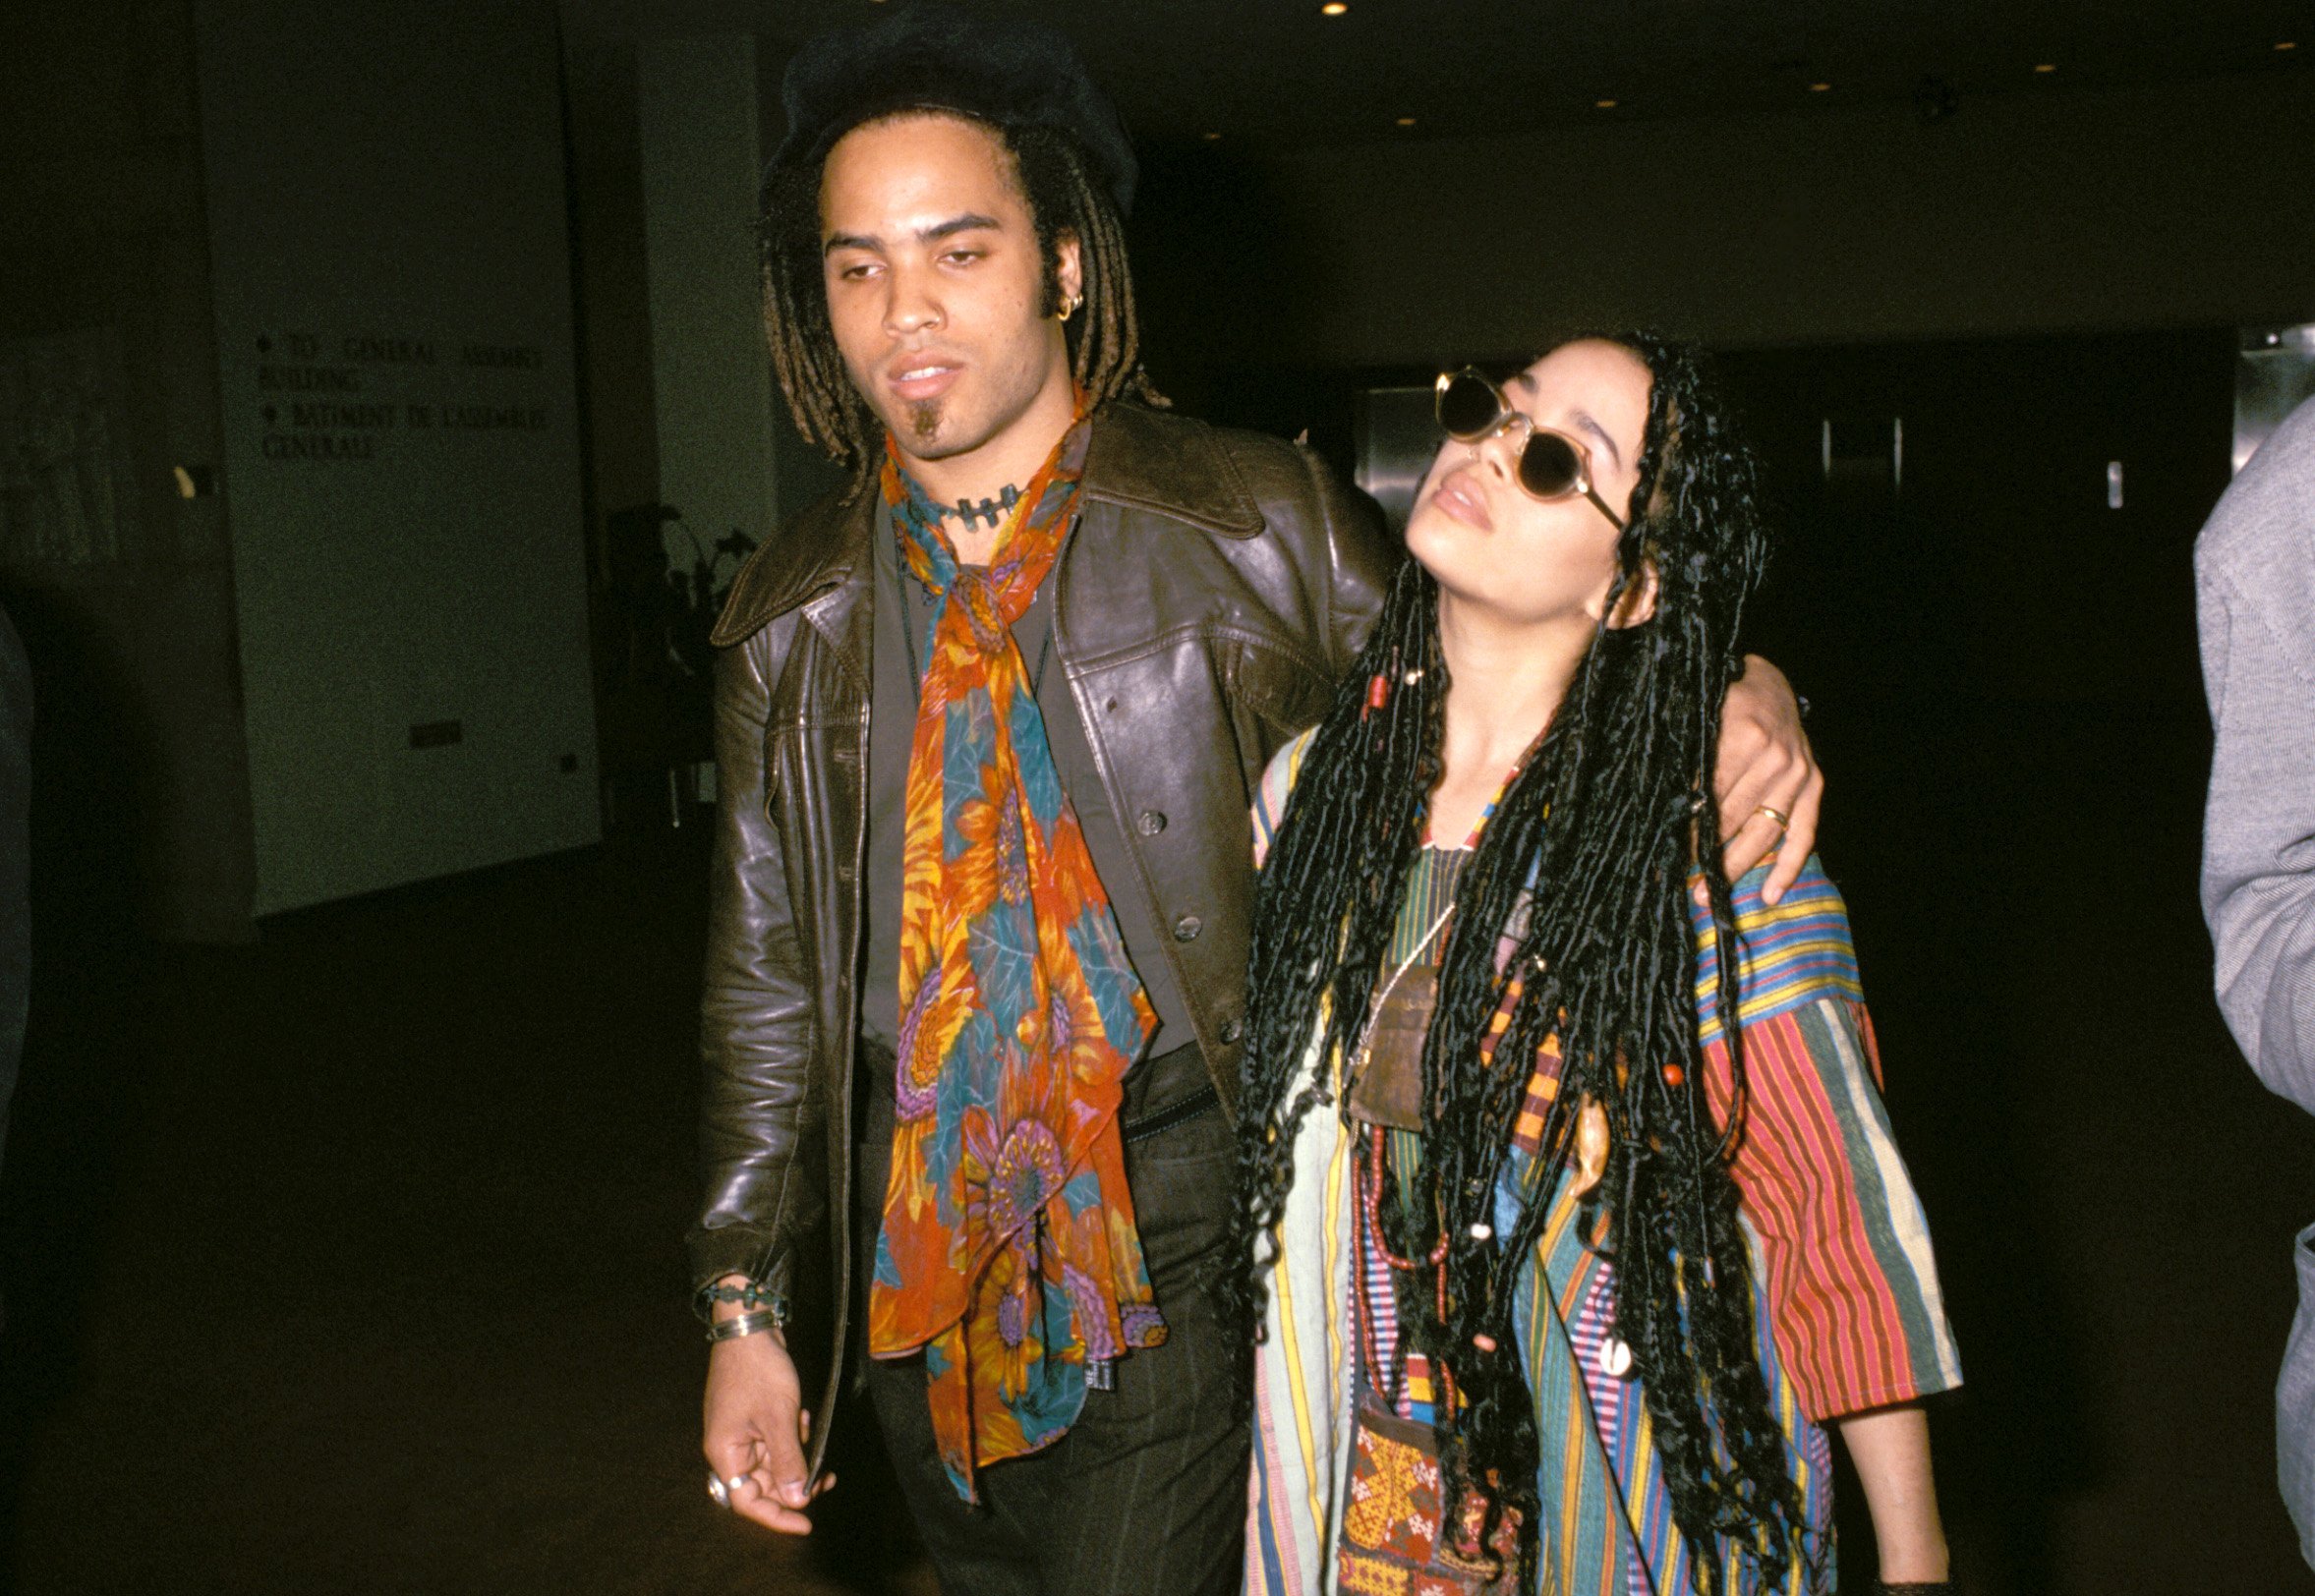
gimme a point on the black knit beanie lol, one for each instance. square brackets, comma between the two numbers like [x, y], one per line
[931, 55]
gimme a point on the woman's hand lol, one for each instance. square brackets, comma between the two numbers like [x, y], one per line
[1766, 765]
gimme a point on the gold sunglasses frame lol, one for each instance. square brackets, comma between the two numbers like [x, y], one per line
[1508, 414]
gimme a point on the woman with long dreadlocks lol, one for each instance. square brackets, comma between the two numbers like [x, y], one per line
[1564, 1234]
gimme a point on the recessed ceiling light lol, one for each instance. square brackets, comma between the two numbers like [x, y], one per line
[1603, 106]
[1406, 121]
[1212, 137]
[1818, 89]
[2046, 66]
[2287, 43]
[1333, 7]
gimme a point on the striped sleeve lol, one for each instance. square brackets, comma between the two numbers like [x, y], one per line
[1271, 794]
[1846, 1263]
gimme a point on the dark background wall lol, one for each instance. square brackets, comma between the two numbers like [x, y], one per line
[2178, 204]
[2005, 674]
[101, 188]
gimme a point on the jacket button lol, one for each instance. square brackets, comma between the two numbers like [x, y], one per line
[1151, 823]
[1232, 1030]
[1186, 928]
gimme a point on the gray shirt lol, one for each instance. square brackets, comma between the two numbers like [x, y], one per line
[2255, 578]
[891, 727]
[2255, 591]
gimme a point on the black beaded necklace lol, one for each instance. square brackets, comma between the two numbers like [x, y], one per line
[991, 510]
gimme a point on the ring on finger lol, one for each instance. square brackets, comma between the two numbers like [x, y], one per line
[1782, 820]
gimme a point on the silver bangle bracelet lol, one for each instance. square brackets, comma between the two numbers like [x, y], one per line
[743, 1323]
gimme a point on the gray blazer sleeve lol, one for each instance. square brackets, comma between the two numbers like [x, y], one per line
[2255, 582]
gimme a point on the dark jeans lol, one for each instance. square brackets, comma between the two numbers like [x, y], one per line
[1146, 1492]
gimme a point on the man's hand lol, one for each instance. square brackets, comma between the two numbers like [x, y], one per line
[755, 1432]
[1765, 764]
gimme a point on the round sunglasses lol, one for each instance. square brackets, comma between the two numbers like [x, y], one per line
[1551, 464]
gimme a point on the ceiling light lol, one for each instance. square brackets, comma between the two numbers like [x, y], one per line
[1333, 7]
[1818, 89]
[1406, 121]
[2047, 67]
[2287, 43]
[1212, 137]
[1603, 106]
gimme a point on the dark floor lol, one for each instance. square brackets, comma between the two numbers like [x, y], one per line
[349, 1262]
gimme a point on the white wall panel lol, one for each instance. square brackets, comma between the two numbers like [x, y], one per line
[388, 225]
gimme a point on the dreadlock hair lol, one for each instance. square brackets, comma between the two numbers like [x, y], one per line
[1065, 199]
[1583, 870]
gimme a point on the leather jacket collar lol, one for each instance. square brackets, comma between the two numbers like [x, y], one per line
[1184, 474]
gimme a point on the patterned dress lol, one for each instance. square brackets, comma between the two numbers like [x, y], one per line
[1850, 1315]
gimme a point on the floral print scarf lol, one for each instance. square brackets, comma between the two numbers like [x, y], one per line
[1009, 1254]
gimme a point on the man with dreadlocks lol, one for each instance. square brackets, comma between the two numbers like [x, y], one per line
[1563, 1234]
[988, 724]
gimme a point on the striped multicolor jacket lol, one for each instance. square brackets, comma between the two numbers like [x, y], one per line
[1850, 1316]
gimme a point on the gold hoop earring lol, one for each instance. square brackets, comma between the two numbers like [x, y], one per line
[1068, 307]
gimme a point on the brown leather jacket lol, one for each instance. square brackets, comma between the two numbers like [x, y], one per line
[1216, 586]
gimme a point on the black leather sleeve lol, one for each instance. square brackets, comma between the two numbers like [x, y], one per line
[757, 1010]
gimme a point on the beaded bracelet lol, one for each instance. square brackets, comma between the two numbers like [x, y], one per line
[750, 1297]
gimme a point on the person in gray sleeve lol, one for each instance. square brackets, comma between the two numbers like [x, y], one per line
[2254, 570]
